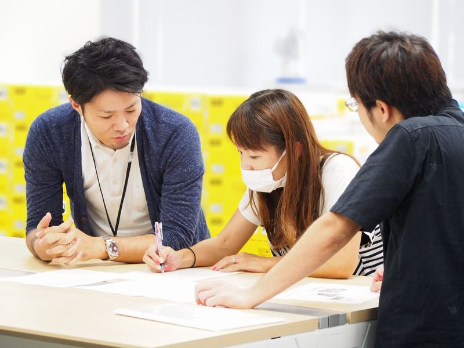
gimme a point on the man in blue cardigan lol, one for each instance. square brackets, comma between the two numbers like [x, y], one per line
[126, 162]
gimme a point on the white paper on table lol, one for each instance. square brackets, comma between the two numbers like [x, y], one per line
[170, 290]
[176, 286]
[180, 291]
[9, 273]
[126, 287]
[64, 278]
[200, 317]
[327, 292]
[188, 274]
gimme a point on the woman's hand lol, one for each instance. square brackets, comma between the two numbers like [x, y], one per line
[245, 262]
[167, 255]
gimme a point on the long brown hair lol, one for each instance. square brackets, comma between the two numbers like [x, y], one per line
[278, 118]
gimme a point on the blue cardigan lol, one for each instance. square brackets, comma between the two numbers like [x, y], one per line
[171, 167]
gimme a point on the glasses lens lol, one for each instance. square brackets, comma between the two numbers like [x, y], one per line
[351, 104]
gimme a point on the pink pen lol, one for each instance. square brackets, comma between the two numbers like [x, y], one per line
[159, 240]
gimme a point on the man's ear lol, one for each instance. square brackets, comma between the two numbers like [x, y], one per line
[76, 106]
[385, 110]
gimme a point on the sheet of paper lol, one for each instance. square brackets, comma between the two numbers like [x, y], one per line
[64, 278]
[326, 292]
[8, 273]
[188, 274]
[200, 317]
[173, 291]
[166, 289]
[126, 287]
[176, 286]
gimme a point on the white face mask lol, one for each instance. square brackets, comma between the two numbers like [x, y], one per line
[262, 180]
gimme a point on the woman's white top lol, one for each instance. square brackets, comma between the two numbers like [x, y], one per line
[337, 173]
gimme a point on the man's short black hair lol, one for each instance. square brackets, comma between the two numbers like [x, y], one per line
[106, 64]
[400, 69]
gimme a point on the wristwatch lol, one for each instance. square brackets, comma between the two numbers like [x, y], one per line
[111, 247]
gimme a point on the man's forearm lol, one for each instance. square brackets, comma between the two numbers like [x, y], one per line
[321, 241]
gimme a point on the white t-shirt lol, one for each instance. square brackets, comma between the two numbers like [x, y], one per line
[337, 173]
[112, 167]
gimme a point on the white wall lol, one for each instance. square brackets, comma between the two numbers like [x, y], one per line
[218, 44]
[35, 36]
[192, 43]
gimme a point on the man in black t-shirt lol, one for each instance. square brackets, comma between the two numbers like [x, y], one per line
[412, 184]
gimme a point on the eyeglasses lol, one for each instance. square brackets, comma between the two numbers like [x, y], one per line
[351, 104]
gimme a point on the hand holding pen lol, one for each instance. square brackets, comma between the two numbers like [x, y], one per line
[159, 240]
[172, 260]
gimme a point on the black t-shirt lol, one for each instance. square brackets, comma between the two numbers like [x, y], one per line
[413, 184]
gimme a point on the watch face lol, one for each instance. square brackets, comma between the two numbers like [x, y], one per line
[112, 249]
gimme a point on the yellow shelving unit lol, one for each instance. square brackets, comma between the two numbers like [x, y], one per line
[222, 184]
[19, 106]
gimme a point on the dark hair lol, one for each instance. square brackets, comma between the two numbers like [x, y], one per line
[399, 69]
[106, 64]
[278, 118]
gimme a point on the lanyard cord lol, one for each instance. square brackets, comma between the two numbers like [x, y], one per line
[129, 164]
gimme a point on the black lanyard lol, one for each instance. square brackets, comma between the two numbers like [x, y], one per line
[129, 164]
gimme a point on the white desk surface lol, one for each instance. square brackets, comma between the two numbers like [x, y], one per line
[81, 317]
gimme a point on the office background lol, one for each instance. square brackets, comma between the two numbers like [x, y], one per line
[204, 58]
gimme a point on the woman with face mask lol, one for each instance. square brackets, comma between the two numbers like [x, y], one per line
[291, 180]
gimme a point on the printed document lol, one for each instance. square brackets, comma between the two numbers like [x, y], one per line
[326, 292]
